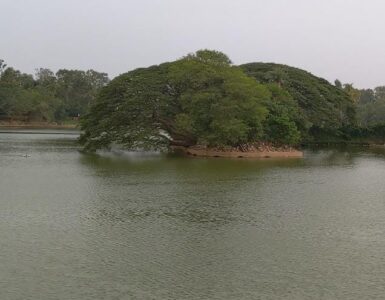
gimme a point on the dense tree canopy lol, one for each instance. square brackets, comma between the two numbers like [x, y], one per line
[199, 99]
[322, 106]
[280, 125]
[204, 99]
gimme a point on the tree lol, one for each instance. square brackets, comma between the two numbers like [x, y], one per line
[199, 99]
[280, 126]
[323, 108]
[45, 77]
[353, 93]
[379, 93]
[371, 107]
[219, 104]
[46, 96]
[212, 57]
[3, 66]
[77, 89]
[128, 111]
[366, 96]
[13, 87]
[338, 84]
[277, 75]
[96, 81]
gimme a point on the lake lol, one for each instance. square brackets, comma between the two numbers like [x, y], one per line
[76, 226]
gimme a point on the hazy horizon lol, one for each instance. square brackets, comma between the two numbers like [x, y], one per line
[332, 39]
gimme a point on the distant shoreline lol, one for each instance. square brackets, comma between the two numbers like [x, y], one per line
[38, 125]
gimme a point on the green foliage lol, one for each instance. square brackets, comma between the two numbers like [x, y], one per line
[210, 56]
[366, 96]
[223, 105]
[204, 99]
[371, 107]
[78, 89]
[200, 99]
[129, 111]
[47, 96]
[321, 105]
[282, 130]
[338, 84]
[14, 87]
[281, 124]
[369, 134]
[3, 65]
[353, 93]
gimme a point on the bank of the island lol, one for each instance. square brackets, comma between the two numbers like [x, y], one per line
[256, 150]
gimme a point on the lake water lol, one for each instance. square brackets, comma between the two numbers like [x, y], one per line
[75, 226]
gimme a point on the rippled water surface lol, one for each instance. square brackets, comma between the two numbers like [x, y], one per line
[75, 226]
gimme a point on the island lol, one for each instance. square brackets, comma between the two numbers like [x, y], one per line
[204, 105]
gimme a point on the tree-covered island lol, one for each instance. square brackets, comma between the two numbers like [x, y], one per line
[204, 101]
[201, 101]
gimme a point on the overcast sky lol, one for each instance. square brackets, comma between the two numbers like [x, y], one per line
[342, 39]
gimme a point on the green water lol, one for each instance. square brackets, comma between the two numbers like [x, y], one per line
[75, 226]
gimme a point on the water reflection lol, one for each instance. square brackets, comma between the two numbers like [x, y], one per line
[198, 190]
[185, 189]
[77, 226]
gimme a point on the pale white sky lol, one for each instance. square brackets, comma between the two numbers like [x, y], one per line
[342, 39]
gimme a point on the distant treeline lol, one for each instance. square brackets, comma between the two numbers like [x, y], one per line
[47, 96]
[370, 113]
[370, 104]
